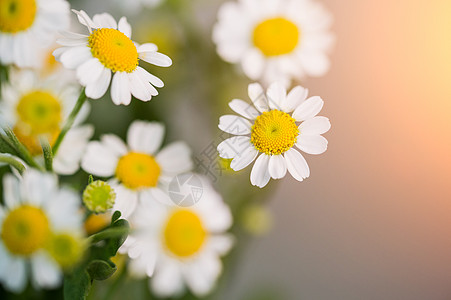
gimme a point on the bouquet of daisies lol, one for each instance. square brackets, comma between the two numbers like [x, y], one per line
[101, 195]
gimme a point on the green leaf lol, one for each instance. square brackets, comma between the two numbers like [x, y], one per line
[77, 285]
[100, 269]
[90, 179]
[5, 146]
[116, 216]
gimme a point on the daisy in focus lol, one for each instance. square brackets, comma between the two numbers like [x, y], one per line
[27, 25]
[141, 171]
[107, 55]
[275, 39]
[269, 130]
[40, 229]
[35, 107]
[180, 246]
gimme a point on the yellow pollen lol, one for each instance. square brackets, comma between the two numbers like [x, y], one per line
[276, 36]
[17, 15]
[65, 249]
[25, 230]
[138, 170]
[114, 50]
[31, 140]
[184, 234]
[274, 132]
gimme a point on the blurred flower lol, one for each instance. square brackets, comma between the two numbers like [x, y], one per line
[274, 133]
[109, 49]
[275, 39]
[96, 222]
[136, 6]
[98, 196]
[40, 224]
[26, 25]
[140, 171]
[256, 219]
[36, 107]
[180, 246]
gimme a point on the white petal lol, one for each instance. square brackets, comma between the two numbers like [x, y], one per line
[145, 137]
[84, 19]
[243, 159]
[243, 108]
[253, 64]
[99, 160]
[258, 97]
[167, 280]
[260, 173]
[89, 71]
[315, 64]
[126, 200]
[17, 275]
[233, 146]
[175, 158]
[276, 95]
[295, 97]
[120, 89]
[45, 271]
[11, 191]
[154, 80]
[147, 47]
[312, 144]
[114, 144]
[74, 57]
[139, 88]
[277, 166]
[156, 58]
[82, 41]
[296, 165]
[315, 126]
[105, 20]
[38, 186]
[125, 27]
[98, 88]
[308, 109]
[234, 125]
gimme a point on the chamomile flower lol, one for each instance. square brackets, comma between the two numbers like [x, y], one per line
[140, 172]
[275, 39]
[180, 246]
[269, 130]
[40, 229]
[108, 49]
[35, 107]
[26, 26]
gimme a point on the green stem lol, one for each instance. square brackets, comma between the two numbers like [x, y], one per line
[48, 156]
[21, 150]
[70, 120]
[107, 233]
[8, 159]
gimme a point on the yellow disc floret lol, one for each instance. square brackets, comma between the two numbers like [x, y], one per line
[114, 50]
[274, 132]
[17, 15]
[25, 230]
[65, 249]
[138, 170]
[276, 36]
[184, 234]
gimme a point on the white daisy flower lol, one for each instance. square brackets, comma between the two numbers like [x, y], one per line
[275, 39]
[35, 107]
[27, 25]
[108, 49]
[270, 129]
[180, 246]
[40, 227]
[141, 172]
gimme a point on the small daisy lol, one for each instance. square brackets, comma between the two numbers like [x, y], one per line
[272, 129]
[180, 246]
[275, 39]
[27, 25]
[40, 229]
[35, 107]
[108, 49]
[141, 172]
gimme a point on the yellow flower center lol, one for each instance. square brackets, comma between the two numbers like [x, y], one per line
[276, 36]
[114, 50]
[138, 170]
[184, 234]
[274, 132]
[25, 230]
[17, 15]
[65, 249]
[94, 223]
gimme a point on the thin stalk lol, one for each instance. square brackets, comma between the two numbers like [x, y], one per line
[70, 120]
[8, 159]
[48, 155]
[21, 150]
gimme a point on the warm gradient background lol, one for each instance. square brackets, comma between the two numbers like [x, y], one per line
[374, 219]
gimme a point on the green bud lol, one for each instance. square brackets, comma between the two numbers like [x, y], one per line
[98, 196]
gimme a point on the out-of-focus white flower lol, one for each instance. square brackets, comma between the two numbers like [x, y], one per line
[275, 39]
[141, 172]
[108, 49]
[178, 246]
[40, 226]
[270, 128]
[136, 6]
[36, 107]
[27, 25]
